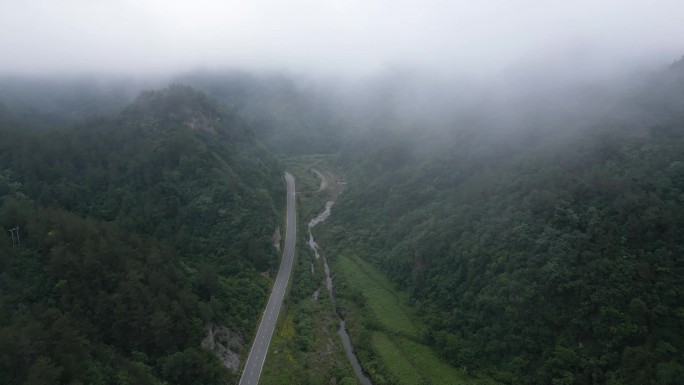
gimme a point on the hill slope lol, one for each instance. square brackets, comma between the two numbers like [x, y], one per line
[136, 233]
[545, 256]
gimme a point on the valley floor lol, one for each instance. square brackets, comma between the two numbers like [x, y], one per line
[385, 331]
[306, 347]
[378, 314]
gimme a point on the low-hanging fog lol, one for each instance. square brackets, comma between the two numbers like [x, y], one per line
[362, 64]
[512, 167]
[459, 38]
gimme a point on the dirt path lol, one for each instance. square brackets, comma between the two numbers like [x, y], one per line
[324, 181]
[331, 182]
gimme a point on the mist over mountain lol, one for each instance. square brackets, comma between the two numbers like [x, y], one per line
[547, 253]
[510, 214]
[504, 183]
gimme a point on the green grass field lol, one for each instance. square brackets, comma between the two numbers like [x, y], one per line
[394, 359]
[386, 304]
[396, 342]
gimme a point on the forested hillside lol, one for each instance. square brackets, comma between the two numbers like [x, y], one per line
[137, 232]
[290, 115]
[542, 254]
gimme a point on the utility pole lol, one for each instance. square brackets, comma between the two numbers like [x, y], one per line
[15, 242]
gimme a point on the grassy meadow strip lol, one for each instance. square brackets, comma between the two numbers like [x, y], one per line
[397, 355]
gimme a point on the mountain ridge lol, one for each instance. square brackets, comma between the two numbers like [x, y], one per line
[137, 231]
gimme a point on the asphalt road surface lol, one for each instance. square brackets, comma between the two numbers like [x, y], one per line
[257, 354]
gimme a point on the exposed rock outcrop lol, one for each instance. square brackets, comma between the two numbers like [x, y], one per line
[225, 343]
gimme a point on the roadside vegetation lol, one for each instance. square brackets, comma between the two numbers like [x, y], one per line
[306, 347]
[310, 171]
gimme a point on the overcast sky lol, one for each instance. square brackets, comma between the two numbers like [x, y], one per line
[471, 37]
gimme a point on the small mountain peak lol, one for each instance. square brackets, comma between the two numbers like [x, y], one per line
[176, 104]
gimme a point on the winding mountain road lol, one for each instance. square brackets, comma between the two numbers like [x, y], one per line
[257, 354]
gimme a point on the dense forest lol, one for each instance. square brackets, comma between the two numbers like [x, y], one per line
[538, 238]
[137, 231]
[541, 254]
[486, 192]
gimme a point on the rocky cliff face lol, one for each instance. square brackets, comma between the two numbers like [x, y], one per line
[225, 343]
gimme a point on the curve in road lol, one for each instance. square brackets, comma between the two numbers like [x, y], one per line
[257, 354]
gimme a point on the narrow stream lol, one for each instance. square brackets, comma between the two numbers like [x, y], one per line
[346, 341]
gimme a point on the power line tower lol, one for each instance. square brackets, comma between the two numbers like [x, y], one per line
[16, 242]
